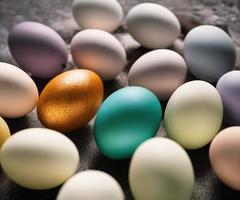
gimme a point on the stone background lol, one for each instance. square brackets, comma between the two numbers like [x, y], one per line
[57, 14]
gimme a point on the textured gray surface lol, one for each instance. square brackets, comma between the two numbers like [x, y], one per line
[57, 14]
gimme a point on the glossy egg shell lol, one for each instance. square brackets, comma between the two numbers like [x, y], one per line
[37, 49]
[70, 100]
[126, 118]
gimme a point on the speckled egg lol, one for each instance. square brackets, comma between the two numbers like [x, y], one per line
[70, 100]
[18, 92]
[209, 52]
[98, 14]
[152, 25]
[37, 49]
[126, 118]
[161, 169]
[194, 114]
[161, 71]
[91, 185]
[98, 51]
[39, 158]
[228, 87]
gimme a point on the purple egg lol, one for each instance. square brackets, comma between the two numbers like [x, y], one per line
[228, 87]
[37, 49]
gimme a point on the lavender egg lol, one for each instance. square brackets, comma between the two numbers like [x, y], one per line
[228, 87]
[38, 49]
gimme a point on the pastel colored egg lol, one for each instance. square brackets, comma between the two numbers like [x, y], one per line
[228, 87]
[18, 92]
[70, 100]
[161, 71]
[194, 114]
[161, 169]
[209, 52]
[37, 49]
[98, 51]
[98, 14]
[224, 155]
[4, 132]
[91, 184]
[126, 118]
[38, 158]
[152, 25]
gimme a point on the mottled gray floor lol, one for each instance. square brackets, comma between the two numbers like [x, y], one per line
[57, 14]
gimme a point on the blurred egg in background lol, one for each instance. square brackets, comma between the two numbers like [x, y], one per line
[18, 92]
[126, 118]
[4, 132]
[98, 14]
[37, 49]
[98, 51]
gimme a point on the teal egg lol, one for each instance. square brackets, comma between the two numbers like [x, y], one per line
[126, 118]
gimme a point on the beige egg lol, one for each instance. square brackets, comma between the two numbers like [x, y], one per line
[224, 155]
[4, 131]
[18, 92]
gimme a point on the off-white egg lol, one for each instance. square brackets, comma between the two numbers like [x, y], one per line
[194, 114]
[98, 51]
[98, 14]
[161, 169]
[39, 158]
[161, 71]
[18, 92]
[153, 25]
[91, 185]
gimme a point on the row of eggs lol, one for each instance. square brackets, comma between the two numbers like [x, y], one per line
[129, 116]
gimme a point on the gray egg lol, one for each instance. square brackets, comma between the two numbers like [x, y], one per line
[209, 52]
[37, 49]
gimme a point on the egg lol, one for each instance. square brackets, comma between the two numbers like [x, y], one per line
[126, 118]
[224, 155]
[38, 49]
[18, 92]
[229, 88]
[4, 132]
[153, 25]
[161, 169]
[70, 100]
[209, 52]
[38, 158]
[194, 114]
[98, 51]
[91, 185]
[162, 71]
[98, 14]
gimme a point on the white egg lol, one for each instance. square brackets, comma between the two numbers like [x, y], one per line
[98, 51]
[91, 185]
[209, 52]
[193, 115]
[18, 92]
[161, 71]
[39, 158]
[153, 25]
[161, 169]
[98, 14]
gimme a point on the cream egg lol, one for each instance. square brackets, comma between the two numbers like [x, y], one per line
[98, 51]
[224, 155]
[91, 185]
[39, 158]
[161, 71]
[153, 25]
[209, 52]
[4, 131]
[98, 14]
[38, 49]
[161, 169]
[194, 114]
[18, 92]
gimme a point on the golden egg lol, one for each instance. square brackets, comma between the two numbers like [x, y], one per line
[70, 100]
[4, 131]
